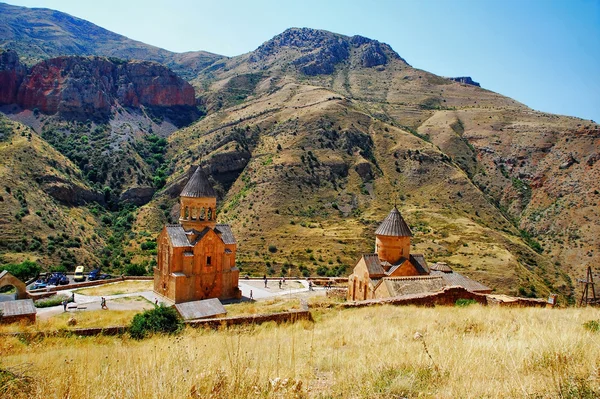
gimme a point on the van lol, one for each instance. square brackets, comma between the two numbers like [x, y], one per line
[79, 276]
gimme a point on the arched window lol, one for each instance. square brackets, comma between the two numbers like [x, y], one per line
[210, 214]
[186, 213]
[202, 213]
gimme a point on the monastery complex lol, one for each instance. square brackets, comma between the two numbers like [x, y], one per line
[393, 271]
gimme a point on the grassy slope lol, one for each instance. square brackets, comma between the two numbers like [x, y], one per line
[469, 352]
[25, 160]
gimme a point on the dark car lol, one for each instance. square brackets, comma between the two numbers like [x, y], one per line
[64, 280]
[94, 275]
[54, 279]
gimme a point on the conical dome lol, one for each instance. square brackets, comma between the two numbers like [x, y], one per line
[394, 225]
[198, 186]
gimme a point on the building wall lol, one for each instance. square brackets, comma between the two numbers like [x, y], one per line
[204, 271]
[359, 283]
[392, 249]
[197, 213]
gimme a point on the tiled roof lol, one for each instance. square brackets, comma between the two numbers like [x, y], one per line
[17, 308]
[413, 284]
[198, 234]
[373, 265]
[441, 267]
[198, 186]
[418, 261]
[463, 281]
[224, 230]
[200, 309]
[394, 225]
[177, 235]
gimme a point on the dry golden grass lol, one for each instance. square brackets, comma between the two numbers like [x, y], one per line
[122, 287]
[274, 305]
[472, 352]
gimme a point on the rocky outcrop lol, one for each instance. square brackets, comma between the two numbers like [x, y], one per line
[12, 73]
[317, 51]
[67, 192]
[137, 195]
[465, 80]
[92, 86]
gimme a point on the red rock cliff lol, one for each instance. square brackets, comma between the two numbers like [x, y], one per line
[92, 85]
[12, 73]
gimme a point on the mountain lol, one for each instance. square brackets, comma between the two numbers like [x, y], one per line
[311, 139]
[39, 33]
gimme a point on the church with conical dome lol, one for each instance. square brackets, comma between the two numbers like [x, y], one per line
[196, 258]
[393, 271]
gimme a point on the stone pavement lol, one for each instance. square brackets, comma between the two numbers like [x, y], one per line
[91, 302]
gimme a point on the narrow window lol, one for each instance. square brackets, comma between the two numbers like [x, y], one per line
[208, 260]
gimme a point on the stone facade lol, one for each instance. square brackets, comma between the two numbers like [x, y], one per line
[196, 258]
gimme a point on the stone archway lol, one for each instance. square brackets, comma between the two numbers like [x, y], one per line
[8, 279]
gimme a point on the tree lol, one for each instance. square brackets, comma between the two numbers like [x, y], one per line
[161, 319]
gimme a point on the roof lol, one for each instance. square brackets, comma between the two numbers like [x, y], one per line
[441, 267]
[200, 309]
[17, 308]
[224, 230]
[463, 281]
[394, 225]
[3, 273]
[418, 261]
[197, 235]
[177, 235]
[198, 186]
[413, 284]
[373, 265]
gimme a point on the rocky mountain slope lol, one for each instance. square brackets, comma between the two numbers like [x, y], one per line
[39, 33]
[107, 116]
[313, 137]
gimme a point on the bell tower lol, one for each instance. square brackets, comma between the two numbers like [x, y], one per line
[392, 238]
[198, 203]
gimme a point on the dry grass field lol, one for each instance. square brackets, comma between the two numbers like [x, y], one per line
[124, 287]
[378, 352]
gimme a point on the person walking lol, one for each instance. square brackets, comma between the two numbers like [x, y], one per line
[64, 303]
[266, 282]
[251, 298]
[103, 303]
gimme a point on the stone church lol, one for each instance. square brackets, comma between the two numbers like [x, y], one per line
[196, 258]
[393, 271]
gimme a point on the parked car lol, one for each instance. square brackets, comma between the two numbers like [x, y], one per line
[39, 284]
[54, 279]
[79, 276]
[64, 280]
[96, 275]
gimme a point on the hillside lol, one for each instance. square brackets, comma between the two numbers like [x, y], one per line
[40, 33]
[318, 134]
[310, 140]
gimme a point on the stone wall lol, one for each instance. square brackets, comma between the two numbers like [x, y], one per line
[447, 297]
[282, 317]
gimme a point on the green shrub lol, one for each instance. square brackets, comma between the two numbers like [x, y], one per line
[23, 271]
[592, 325]
[161, 319]
[272, 248]
[134, 269]
[462, 303]
[51, 301]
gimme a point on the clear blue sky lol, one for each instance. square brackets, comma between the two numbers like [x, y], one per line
[543, 53]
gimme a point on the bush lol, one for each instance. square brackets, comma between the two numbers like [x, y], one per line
[24, 270]
[272, 248]
[134, 269]
[51, 301]
[592, 325]
[148, 245]
[462, 303]
[161, 319]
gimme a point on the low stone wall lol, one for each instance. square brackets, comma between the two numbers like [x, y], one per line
[282, 317]
[447, 297]
[504, 300]
[337, 293]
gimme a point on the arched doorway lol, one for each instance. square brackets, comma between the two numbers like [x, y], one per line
[7, 279]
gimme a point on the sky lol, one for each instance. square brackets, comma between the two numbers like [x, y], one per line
[543, 53]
